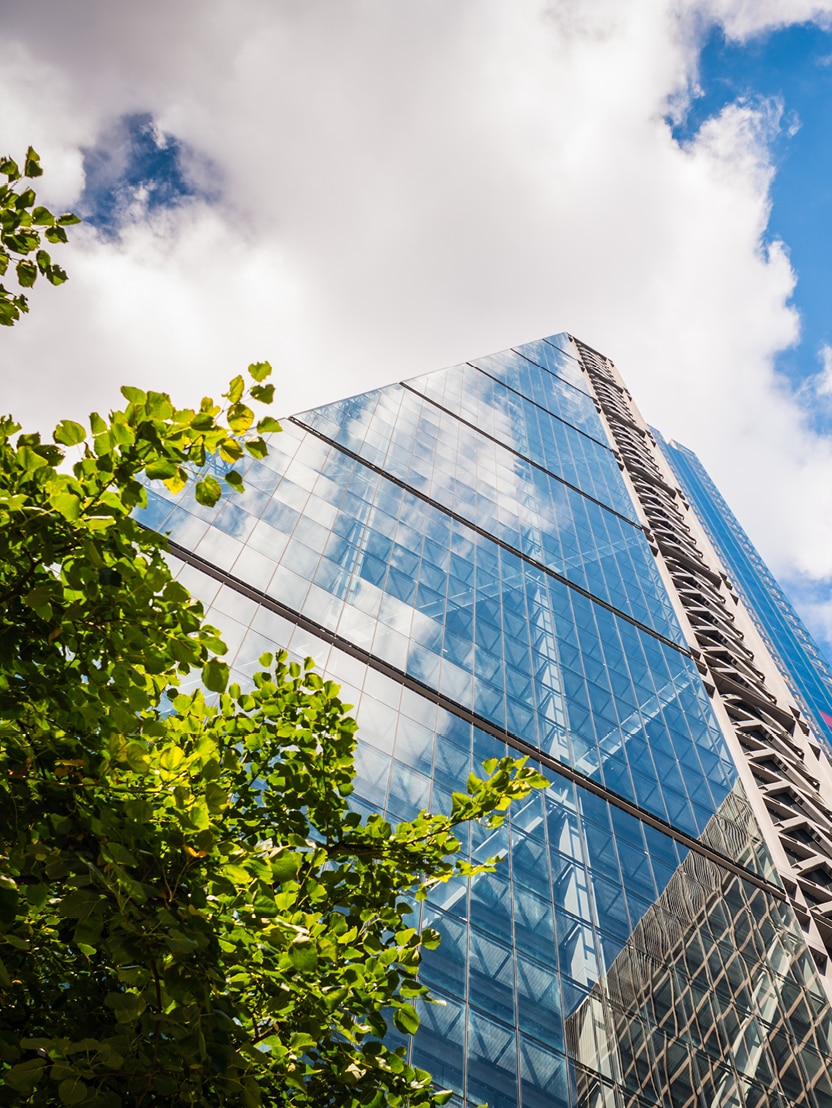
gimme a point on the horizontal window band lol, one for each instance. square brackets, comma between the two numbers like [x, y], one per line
[543, 408]
[517, 454]
[491, 538]
[446, 703]
[553, 373]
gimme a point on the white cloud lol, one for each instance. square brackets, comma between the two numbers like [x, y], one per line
[744, 18]
[406, 186]
[823, 382]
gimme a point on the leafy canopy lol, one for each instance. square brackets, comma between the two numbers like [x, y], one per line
[189, 911]
[22, 223]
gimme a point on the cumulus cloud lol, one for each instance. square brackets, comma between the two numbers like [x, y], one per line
[743, 18]
[822, 383]
[382, 188]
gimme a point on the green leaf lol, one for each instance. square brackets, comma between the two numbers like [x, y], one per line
[257, 448]
[137, 757]
[303, 955]
[162, 470]
[9, 168]
[267, 424]
[127, 1006]
[235, 390]
[208, 491]
[263, 393]
[72, 1090]
[10, 309]
[134, 395]
[203, 421]
[177, 483]
[237, 874]
[430, 938]
[36, 895]
[100, 523]
[301, 1041]
[9, 897]
[216, 797]
[215, 675]
[230, 450]
[172, 758]
[78, 904]
[26, 273]
[240, 418]
[159, 405]
[121, 855]
[67, 504]
[55, 275]
[41, 594]
[68, 218]
[406, 1019]
[260, 370]
[285, 866]
[69, 433]
[32, 166]
[23, 1077]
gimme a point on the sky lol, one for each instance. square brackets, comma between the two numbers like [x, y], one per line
[364, 190]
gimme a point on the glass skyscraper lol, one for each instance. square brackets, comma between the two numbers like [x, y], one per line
[494, 558]
[804, 667]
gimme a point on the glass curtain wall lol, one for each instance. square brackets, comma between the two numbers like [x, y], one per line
[461, 553]
[801, 662]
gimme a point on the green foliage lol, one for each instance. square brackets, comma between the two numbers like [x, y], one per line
[22, 224]
[189, 912]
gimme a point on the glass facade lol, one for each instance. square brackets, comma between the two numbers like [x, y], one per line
[462, 554]
[803, 666]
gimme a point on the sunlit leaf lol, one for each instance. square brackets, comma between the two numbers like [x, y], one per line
[235, 389]
[303, 955]
[263, 393]
[68, 433]
[215, 675]
[240, 418]
[208, 491]
[260, 370]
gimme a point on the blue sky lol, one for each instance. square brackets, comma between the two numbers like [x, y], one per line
[364, 190]
[792, 66]
[133, 170]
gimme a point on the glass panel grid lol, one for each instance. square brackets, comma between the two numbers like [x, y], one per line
[604, 962]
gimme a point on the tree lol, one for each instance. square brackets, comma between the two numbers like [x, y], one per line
[22, 223]
[189, 911]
